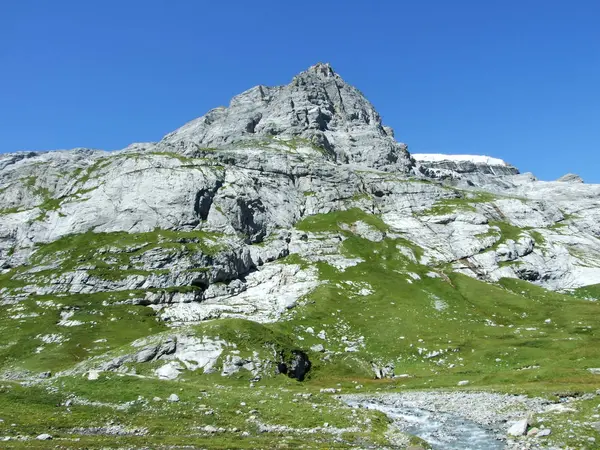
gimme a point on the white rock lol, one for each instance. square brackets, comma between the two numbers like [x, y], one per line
[475, 159]
[44, 437]
[463, 383]
[518, 428]
[169, 371]
[173, 398]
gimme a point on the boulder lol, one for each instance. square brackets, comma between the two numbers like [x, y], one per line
[519, 428]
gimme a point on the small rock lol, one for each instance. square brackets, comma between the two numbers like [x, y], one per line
[210, 429]
[93, 375]
[173, 398]
[44, 437]
[45, 374]
[328, 391]
[463, 383]
[594, 370]
[156, 399]
[533, 432]
[245, 434]
[518, 428]
[317, 348]
[544, 432]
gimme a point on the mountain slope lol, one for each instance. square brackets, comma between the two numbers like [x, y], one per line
[288, 234]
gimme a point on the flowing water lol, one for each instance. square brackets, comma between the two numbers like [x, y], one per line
[442, 431]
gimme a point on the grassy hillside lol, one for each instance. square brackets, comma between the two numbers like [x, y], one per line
[429, 327]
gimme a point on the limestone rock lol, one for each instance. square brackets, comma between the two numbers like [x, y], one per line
[317, 109]
[519, 428]
[570, 178]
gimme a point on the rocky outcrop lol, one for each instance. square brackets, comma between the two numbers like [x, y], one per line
[317, 109]
[465, 170]
[571, 178]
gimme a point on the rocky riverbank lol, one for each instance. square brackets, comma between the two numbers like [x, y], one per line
[464, 420]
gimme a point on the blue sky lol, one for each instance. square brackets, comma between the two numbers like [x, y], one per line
[517, 80]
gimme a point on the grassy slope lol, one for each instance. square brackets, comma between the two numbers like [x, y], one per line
[485, 333]
[475, 323]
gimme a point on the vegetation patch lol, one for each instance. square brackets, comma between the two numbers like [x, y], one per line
[329, 222]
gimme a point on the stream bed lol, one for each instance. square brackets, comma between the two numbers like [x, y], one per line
[443, 431]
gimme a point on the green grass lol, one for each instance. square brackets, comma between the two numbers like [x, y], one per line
[538, 237]
[509, 231]
[462, 202]
[174, 155]
[325, 222]
[24, 323]
[36, 410]
[5, 211]
[76, 249]
[591, 292]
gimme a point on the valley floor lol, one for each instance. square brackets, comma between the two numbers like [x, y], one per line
[123, 411]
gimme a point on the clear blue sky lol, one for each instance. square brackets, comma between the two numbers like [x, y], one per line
[513, 79]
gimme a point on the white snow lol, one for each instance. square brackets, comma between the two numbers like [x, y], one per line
[475, 159]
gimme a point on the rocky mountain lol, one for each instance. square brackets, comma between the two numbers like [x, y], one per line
[289, 233]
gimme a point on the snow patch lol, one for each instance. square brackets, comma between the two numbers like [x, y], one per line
[475, 159]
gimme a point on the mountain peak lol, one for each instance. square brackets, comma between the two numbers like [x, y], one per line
[317, 106]
[322, 69]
